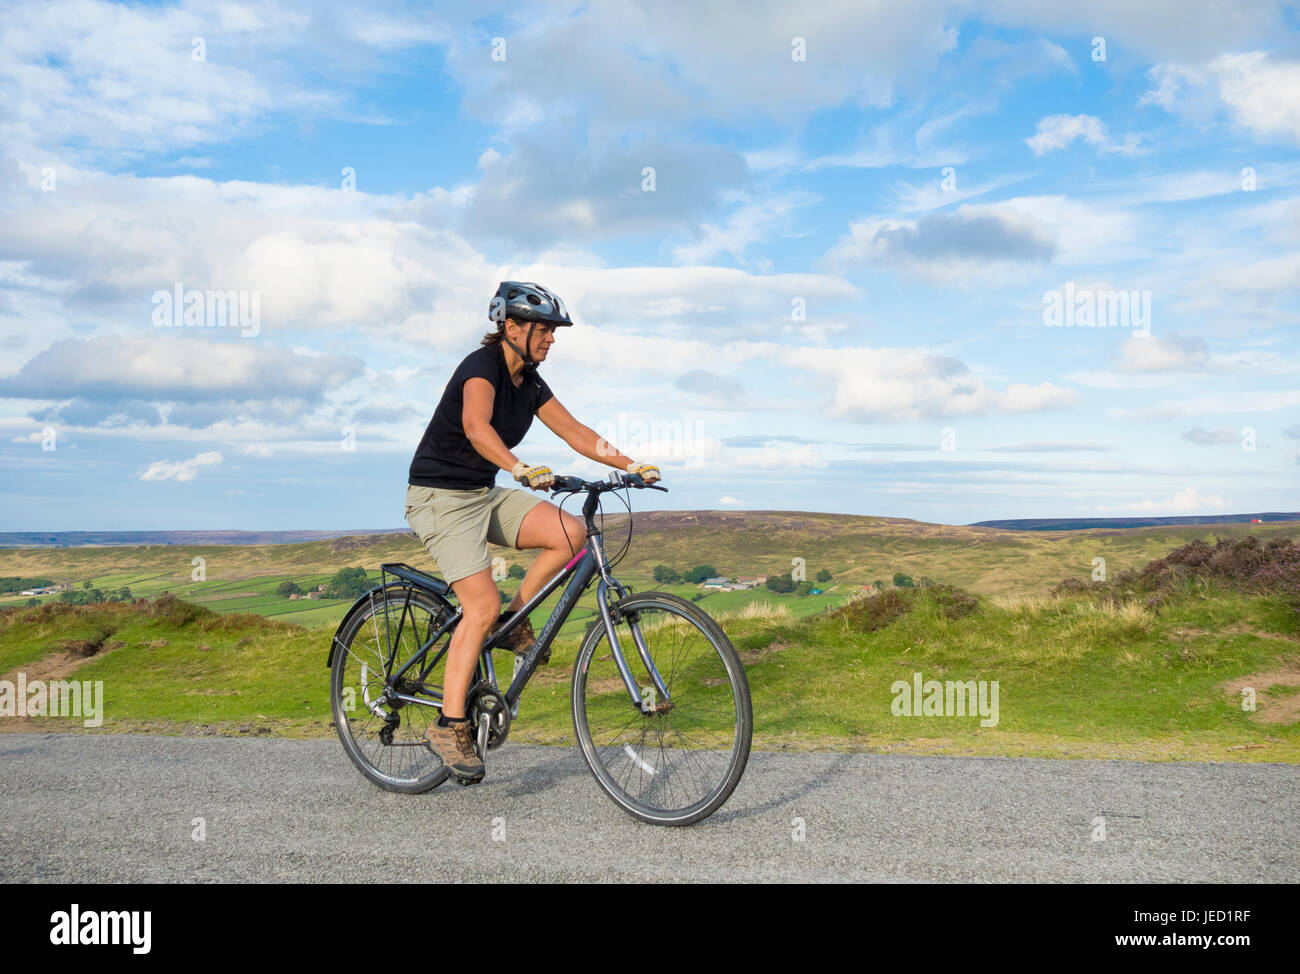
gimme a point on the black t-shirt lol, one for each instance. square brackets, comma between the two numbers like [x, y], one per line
[445, 457]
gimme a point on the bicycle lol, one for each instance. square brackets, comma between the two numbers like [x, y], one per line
[665, 729]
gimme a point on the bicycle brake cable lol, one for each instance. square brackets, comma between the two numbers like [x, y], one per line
[560, 514]
[628, 543]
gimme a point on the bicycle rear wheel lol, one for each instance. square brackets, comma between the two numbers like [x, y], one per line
[679, 763]
[385, 739]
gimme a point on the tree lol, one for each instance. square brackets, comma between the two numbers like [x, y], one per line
[85, 584]
[878, 585]
[701, 572]
[902, 581]
[33, 601]
[803, 588]
[516, 571]
[348, 583]
[288, 588]
[824, 576]
[667, 576]
[780, 583]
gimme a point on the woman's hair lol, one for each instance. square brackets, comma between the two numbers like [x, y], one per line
[494, 337]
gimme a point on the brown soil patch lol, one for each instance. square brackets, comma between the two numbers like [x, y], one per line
[758, 655]
[58, 665]
[1275, 709]
[1236, 629]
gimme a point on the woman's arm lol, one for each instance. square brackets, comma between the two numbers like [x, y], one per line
[582, 439]
[476, 420]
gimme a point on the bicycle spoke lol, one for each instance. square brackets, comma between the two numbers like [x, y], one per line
[675, 761]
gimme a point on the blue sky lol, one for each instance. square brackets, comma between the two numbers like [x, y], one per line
[833, 297]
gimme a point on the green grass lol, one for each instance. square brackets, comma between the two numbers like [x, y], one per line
[1074, 679]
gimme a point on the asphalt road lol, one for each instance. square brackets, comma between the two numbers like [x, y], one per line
[122, 808]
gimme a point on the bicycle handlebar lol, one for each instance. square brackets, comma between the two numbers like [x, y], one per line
[617, 481]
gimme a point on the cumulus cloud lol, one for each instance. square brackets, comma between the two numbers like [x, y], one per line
[1260, 92]
[1058, 131]
[987, 241]
[905, 383]
[180, 469]
[1163, 353]
[175, 368]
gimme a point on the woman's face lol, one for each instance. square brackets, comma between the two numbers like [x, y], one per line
[543, 338]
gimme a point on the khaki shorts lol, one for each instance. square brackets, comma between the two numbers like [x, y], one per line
[455, 526]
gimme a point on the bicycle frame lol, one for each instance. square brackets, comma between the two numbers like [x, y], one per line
[579, 571]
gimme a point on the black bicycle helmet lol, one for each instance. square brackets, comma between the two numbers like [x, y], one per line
[526, 301]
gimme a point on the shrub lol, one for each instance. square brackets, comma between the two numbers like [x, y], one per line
[956, 603]
[875, 611]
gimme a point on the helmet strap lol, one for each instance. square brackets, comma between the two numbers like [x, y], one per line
[528, 359]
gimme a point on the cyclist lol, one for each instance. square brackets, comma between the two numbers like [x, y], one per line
[455, 509]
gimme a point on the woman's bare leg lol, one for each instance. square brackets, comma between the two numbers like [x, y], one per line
[480, 601]
[560, 534]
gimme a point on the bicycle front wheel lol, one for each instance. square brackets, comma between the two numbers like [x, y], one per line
[383, 738]
[679, 762]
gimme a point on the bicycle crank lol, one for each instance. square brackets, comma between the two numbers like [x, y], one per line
[489, 716]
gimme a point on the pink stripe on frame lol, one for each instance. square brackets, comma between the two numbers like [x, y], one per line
[574, 561]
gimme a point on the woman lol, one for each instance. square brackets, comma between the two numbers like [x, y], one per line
[454, 508]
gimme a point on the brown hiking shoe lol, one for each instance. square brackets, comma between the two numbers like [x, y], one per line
[455, 745]
[521, 638]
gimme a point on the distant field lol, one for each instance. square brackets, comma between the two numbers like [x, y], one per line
[856, 550]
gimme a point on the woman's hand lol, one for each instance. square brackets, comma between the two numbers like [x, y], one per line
[535, 478]
[646, 471]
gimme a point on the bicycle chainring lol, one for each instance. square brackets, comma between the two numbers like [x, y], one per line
[484, 699]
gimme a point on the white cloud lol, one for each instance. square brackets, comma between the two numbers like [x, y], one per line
[994, 242]
[1260, 92]
[908, 384]
[746, 225]
[1033, 399]
[1058, 131]
[1188, 500]
[180, 469]
[1263, 94]
[1163, 353]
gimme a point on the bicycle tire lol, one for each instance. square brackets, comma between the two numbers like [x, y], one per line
[599, 697]
[405, 765]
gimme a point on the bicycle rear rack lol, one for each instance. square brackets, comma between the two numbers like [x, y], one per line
[407, 573]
